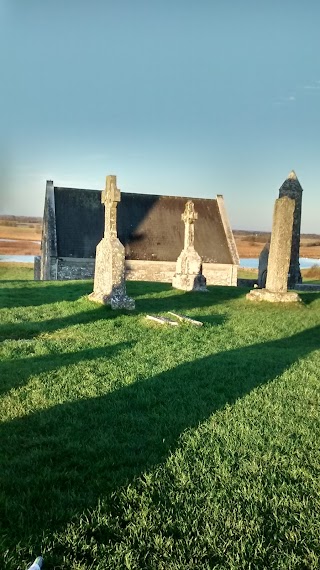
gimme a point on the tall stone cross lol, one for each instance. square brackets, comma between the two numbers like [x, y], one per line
[188, 217]
[110, 197]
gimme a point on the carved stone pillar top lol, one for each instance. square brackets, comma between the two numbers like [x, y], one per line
[188, 217]
[110, 197]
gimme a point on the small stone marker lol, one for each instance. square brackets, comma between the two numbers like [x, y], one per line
[279, 256]
[109, 276]
[188, 276]
[162, 320]
[186, 319]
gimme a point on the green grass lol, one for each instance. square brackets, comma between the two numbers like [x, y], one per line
[129, 445]
[247, 273]
[17, 271]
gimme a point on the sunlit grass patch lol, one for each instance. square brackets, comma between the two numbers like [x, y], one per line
[125, 445]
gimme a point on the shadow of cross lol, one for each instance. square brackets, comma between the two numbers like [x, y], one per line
[68, 457]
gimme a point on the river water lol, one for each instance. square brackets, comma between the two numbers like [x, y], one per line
[17, 258]
[253, 262]
[246, 262]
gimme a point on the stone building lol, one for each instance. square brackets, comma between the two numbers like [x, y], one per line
[149, 227]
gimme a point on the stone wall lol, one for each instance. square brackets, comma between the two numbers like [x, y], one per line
[68, 268]
[136, 270]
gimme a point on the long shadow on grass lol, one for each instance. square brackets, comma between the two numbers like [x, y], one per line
[42, 293]
[309, 297]
[45, 292]
[182, 302]
[60, 461]
[14, 373]
[29, 329]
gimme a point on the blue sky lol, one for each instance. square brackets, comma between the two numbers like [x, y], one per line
[183, 97]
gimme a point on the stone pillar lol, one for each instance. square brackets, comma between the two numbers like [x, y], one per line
[292, 189]
[37, 268]
[188, 276]
[279, 256]
[49, 247]
[109, 277]
[263, 266]
[280, 245]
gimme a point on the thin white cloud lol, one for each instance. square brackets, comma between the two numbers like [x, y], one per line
[312, 86]
[285, 100]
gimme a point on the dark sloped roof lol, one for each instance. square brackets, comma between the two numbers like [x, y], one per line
[149, 226]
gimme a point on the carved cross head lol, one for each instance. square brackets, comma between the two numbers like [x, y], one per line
[189, 215]
[111, 194]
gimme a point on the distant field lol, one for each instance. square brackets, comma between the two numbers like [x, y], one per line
[20, 233]
[127, 445]
[23, 234]
[251, 245]
[248, 244]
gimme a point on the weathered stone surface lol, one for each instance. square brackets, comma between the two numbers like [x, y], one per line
[37, 268]
[292, 189]
[307, 287]
[186, 319]
[158, 271]
[109, 277]
[280, 245]
[227, 229]
[279, 256]
[273, 297]
[188, 276]
[162, 320]
[263, 266]
[49, 237]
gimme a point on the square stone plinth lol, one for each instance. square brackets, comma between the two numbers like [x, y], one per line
[117, 300]
[273, 297]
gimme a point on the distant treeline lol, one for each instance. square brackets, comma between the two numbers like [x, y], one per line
[261, 237]
[20, 221]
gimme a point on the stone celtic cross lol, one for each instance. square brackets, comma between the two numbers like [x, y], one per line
[110, 197]
[188, 217]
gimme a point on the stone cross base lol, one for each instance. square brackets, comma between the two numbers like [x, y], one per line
[117, 299]
[273, 296]
[189, 282]
[188, 276]
[109, 280]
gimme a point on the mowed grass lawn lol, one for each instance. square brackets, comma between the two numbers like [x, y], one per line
[128, 445]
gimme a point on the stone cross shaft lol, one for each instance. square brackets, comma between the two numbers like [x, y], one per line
[188, 217]
[110, 197]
